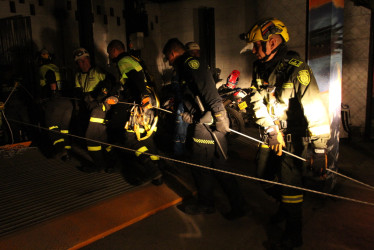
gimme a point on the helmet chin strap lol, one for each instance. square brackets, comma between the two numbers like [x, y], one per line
[263, 45]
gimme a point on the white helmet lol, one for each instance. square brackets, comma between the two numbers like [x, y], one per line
[79, 53]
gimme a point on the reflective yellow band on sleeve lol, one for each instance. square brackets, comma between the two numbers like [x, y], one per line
[155, 158]
[96, 120]
[58, 141]
[292, 198]
[141, 150]
[67, 147]
[52, 127]
[202, 141]
[64, 131]
[321, 130]
[93, 148]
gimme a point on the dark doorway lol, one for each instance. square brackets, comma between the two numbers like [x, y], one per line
[207, 36]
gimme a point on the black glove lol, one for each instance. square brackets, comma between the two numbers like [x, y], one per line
[187, 117]
[318, 161]
[222, 122]
[275, 139]
[207, 118]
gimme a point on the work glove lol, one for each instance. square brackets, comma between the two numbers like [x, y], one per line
[207, 118]
[318, 162]
[187, 117]
[275, 139]
[146, 103]
[111, 100]
[222, 122]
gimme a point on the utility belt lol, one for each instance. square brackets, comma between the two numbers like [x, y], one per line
[290, 134]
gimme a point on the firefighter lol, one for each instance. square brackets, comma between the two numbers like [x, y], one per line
[57, 109]
[287, 105]
[87, 78]
[142, 118]
[93, 86]
[204, 110]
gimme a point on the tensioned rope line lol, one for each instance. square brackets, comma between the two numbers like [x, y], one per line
[209, 168]
[300, 158]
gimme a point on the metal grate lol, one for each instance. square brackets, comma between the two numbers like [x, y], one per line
[34, 189]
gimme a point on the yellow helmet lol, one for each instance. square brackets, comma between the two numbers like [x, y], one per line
[263, 30]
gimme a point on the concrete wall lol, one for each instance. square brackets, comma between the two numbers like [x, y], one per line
[55, 27]
[178, 19]
[355, 62]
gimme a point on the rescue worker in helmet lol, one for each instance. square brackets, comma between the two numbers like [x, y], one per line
[93, 86]
[204, 110]
[287, 105]
[141, 120]
[87, 78]
[57, 109]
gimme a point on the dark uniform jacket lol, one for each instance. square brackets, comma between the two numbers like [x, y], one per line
[196, 80]
[288, 95]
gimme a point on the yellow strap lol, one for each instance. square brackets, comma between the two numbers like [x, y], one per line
[96, 120]
[58, 141]
[65, 131]
[53, 127]
[67, 147]
[155, 158]
[93, 148]
[141, 150]
[292, 198]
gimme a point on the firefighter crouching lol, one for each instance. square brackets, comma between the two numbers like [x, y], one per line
[57, 109]
[288, 107]
[141, 119]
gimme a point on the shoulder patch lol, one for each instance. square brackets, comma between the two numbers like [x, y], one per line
[295, 62]
[194, 64]
[303, 77]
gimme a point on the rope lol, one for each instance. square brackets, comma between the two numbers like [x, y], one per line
[10, 94]
[209, 168]
[300, 158]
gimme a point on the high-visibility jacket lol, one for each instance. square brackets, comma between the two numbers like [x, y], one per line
[88, 81]
[135, 88]
[288, 95]
[43, 71]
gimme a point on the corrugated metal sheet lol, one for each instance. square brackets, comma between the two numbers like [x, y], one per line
[34, 189]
